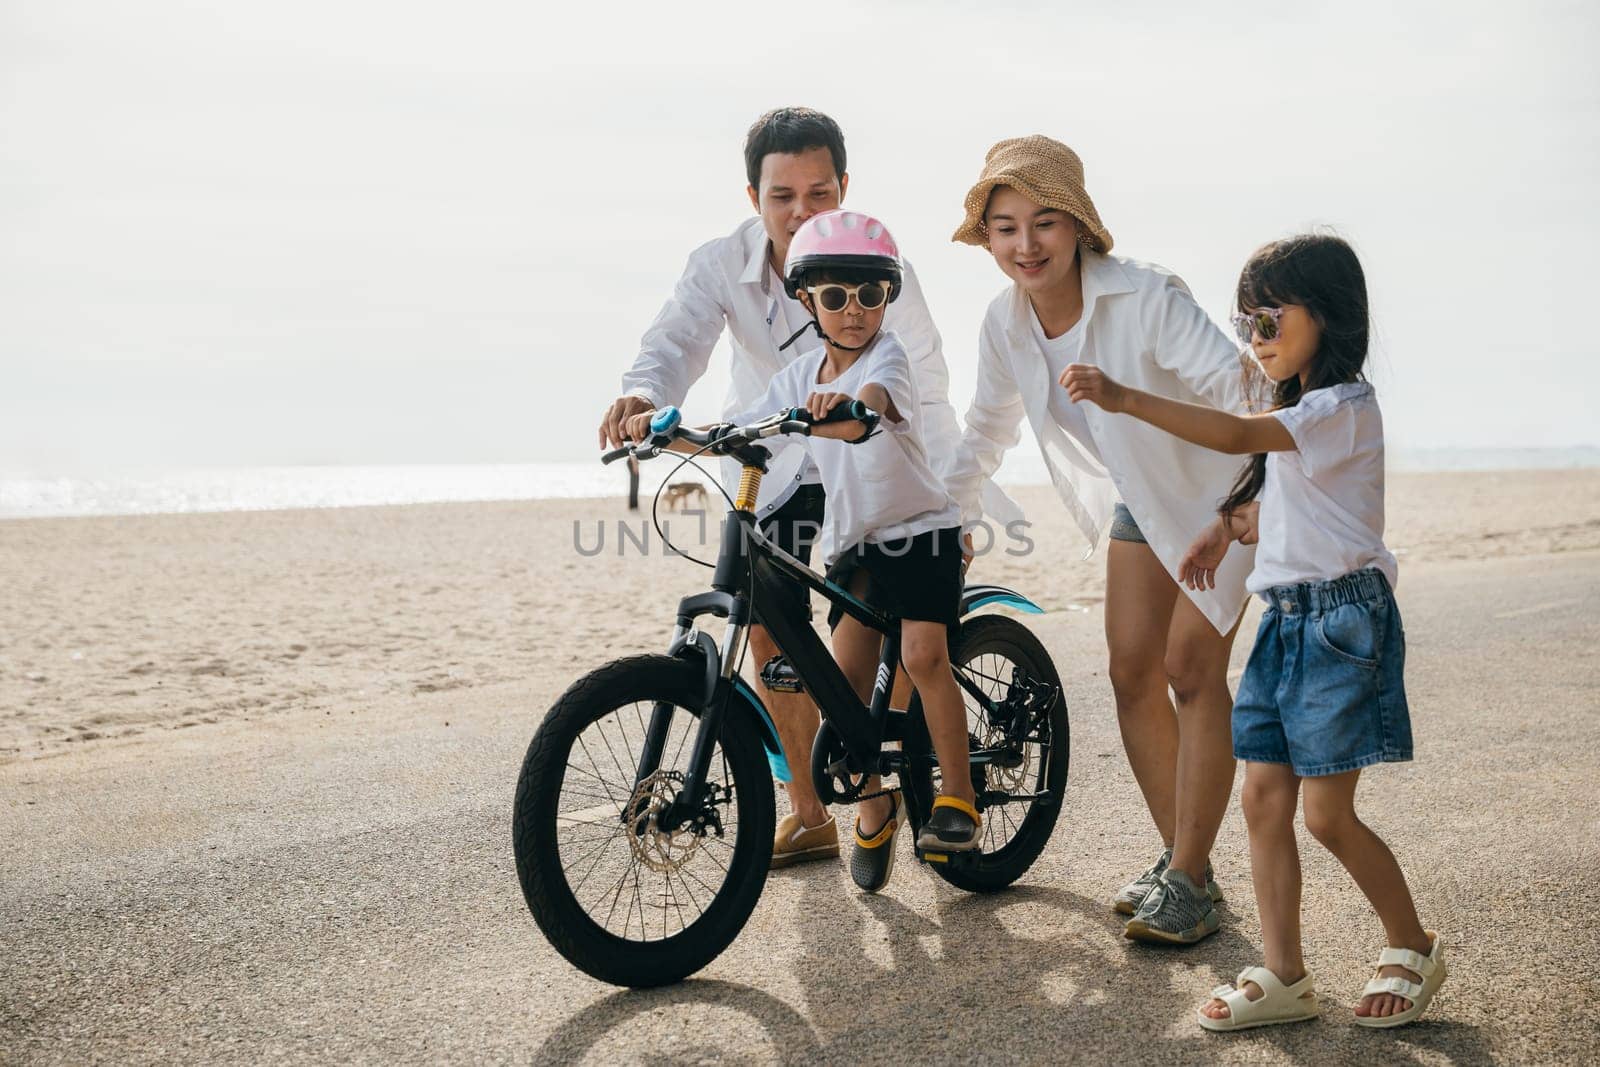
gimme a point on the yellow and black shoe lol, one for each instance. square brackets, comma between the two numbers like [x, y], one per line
[872, 858]
[954, 826]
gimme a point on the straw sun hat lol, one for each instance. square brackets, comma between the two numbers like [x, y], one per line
[1046, 172]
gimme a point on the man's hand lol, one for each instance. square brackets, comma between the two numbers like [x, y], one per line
[1198, 568]
[613, 429]
[1084, 382]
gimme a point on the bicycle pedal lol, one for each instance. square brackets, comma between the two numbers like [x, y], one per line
[948, 859]
[779, 676]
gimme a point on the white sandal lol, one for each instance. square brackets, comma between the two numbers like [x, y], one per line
[1278, 1004]
[1430, 967]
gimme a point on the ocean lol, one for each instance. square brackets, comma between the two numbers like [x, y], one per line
[24, 496]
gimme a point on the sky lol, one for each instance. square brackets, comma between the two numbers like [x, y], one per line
[345, 231]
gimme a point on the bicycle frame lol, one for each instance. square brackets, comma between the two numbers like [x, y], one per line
[750, 569]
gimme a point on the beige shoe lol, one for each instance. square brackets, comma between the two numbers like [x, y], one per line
[1429, 968]
[798, 843]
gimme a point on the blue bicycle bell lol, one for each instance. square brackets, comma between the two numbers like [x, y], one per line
[666, 420]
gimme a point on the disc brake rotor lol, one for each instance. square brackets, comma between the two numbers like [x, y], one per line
[663, 851]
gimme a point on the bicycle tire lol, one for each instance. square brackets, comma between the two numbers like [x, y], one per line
[988, 872]
[565, 922]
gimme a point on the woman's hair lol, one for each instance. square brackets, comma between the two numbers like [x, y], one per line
[1319, 272]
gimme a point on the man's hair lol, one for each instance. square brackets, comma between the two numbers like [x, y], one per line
[791, 130]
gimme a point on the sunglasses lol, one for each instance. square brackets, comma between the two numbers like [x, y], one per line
[832, 297]
[1262, 322]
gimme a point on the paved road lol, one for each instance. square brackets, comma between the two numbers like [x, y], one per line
[342, 889]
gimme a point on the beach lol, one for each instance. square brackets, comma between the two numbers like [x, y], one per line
[120, 627]
[256, 771]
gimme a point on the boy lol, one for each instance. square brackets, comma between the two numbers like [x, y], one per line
[893, 535]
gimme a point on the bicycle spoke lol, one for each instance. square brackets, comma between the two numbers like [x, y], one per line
[623, 730]
[622, 772]
[604, 782]
[599, 854]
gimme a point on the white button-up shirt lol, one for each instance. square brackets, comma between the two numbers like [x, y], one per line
[728, 282]
[1143, 328]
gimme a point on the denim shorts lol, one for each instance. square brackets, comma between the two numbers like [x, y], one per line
[1123, 528]
[1324, 690]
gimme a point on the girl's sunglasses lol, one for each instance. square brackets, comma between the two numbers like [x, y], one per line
[1262, 323]
[833, 297]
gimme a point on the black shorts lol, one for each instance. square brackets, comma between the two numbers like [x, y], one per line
[795, 527]
[916, 578]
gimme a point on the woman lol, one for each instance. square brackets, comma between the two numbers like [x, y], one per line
[1072, 302]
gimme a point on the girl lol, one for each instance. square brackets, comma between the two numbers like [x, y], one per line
[1323, 694]
[1071, 300]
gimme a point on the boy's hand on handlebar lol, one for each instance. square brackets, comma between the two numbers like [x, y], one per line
[819, 404]
[613, 423]
[1084, 382]
[636, 428]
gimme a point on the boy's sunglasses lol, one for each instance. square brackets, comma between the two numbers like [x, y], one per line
[833, 297]
[1262, 323]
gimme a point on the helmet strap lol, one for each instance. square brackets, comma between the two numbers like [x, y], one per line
[815, 325]
[796, 335]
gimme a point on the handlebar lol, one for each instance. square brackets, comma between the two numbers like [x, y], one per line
[726, 438]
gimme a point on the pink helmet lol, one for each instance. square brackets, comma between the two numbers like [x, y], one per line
[842, 240]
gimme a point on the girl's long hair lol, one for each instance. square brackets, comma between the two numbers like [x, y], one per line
[1319, 272]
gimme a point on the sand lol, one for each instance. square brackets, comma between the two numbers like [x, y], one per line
[121, 627]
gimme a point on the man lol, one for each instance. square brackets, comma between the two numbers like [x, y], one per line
[795, 167]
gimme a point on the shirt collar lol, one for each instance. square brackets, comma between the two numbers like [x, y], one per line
[757, 249]
[1101, 276]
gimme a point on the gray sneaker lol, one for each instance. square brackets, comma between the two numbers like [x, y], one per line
[1177, 912]
[1130, 896]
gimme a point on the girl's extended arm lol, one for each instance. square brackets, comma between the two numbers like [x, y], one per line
[1207, 427]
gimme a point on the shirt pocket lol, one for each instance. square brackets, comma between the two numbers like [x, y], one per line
[1353, 633]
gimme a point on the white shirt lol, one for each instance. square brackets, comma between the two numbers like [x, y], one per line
[1059, 353]
[1322, 504]
[790, 315]
[1144, 329]
[884, 488]
[729, 283]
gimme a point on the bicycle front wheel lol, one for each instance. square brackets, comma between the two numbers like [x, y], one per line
[620, 898]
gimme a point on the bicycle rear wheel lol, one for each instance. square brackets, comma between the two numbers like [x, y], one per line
[1021, 801]
[621, 899]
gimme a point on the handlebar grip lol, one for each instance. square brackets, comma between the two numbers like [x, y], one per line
[853, 411]
[616, 454]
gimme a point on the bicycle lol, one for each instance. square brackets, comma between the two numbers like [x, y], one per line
[644, 814]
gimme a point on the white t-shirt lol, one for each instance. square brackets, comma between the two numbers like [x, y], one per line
[1322, 505]
[882, 489]
[1058, 353]
[791, 315]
